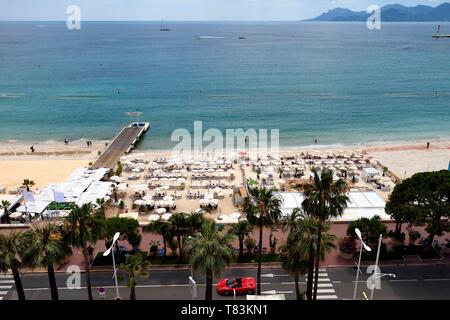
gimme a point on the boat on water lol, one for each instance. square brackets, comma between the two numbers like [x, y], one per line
[164, 26]
[241, 38]
[439, 35]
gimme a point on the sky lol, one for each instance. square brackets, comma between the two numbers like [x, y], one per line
[209, 10]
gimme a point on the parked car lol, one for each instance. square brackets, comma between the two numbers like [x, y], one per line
[243, 285]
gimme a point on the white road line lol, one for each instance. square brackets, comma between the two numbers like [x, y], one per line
[327, 297]
[5, 287]
[6, 281]
[322, 270]
[324, 280]
[324, 285]
[326, 291]
[1, 298]
[281, 292]
[337, 281]
[3, 292]
[404, 280]
[291, 283]
[323, 274]
[436, 279]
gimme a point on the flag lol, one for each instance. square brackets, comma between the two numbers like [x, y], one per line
[58, 196]
[28, 196]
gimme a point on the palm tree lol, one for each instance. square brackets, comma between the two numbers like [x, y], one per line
[27, 183]
[134, 266]
[210, 252]
[324, 199]
[241, 229]
[81, 229]
[5, 206]
[164, 229]
[195, 221]
[180, 228]
[296, 253]
[11, 250]
[262, 208]
[46, 247]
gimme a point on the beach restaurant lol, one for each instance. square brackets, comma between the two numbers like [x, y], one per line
[82, 187]
[362, 204]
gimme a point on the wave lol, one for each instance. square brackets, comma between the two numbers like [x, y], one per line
[79, 97]
[9, 96]
[209, 37]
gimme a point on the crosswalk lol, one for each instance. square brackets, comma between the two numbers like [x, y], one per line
[325, 290]
[6, 284]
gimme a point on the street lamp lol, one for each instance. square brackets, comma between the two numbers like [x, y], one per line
[362, 246]
[105, 254]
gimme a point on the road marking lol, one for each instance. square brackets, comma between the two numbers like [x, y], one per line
[291, 283]
[325, 291]
[3, 292]
[322, 270]
[6, 281]
[324, 285]
[5, 287]
[1, 298]
[404, 280]
[337, 281]
[327, 297]
[6, 276]
[436, 280]
[323, 274]
[324, 280]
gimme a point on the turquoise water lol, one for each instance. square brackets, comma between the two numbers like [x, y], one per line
[339, 83]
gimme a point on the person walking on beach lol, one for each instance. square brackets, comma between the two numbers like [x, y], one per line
[428, 145]
[32, 148]
[66, 141]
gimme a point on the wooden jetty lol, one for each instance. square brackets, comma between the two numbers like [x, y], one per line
[122, 144]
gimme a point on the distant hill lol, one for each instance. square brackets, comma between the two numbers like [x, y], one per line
[391, 12]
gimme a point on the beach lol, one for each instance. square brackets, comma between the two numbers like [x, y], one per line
[55, 162]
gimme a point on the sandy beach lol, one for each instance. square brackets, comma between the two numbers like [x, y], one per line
[54, 162]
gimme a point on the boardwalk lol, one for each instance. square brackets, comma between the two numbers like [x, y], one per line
[119, 146]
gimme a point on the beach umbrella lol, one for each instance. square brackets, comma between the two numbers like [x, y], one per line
[139, 202]
[161, 210]
[166, 216]
[159, 203]
[168, 198]
[149, 202]
[165, 187]
[154, 217]
[140, 187]
[235, 215]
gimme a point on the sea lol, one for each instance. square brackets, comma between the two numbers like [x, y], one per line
[339, 83]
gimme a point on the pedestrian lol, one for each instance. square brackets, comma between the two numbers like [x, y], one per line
[315, 141]
[32, 148]
[87, 142]
[428, 145]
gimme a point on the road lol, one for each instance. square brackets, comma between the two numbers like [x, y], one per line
[411, 282]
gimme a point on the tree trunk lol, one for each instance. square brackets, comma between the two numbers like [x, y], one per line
[430, 241]
[258, 276]
[241, 246]
[309, 285]
[179, 245]
[398, 227]
[319, 240]
[18, 283]
[7, 218]
[52, 281]
[297, 287]
[209, 285]
[133, 293]
[88, 273]
[165, 245]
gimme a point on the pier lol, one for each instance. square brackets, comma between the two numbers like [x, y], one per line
[123, 143]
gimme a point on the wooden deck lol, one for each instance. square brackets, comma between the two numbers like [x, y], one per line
[122, 144]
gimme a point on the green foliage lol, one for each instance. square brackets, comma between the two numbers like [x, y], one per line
[250, 243]
[348, 245]
[414, 235]
[135, 266]
[12, 248]
[424, 200]
[128, 228]
[119, 168]
[370, 229]
[27, 183]
[154, 245]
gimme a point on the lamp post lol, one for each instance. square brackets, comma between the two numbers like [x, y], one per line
[106, 253]
[380, 239]
[362, 246]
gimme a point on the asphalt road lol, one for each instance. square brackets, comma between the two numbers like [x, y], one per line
[411, 282]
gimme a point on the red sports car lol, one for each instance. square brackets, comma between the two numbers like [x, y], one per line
[244, 285]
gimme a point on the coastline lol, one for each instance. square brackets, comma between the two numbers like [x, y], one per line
[53, 162]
